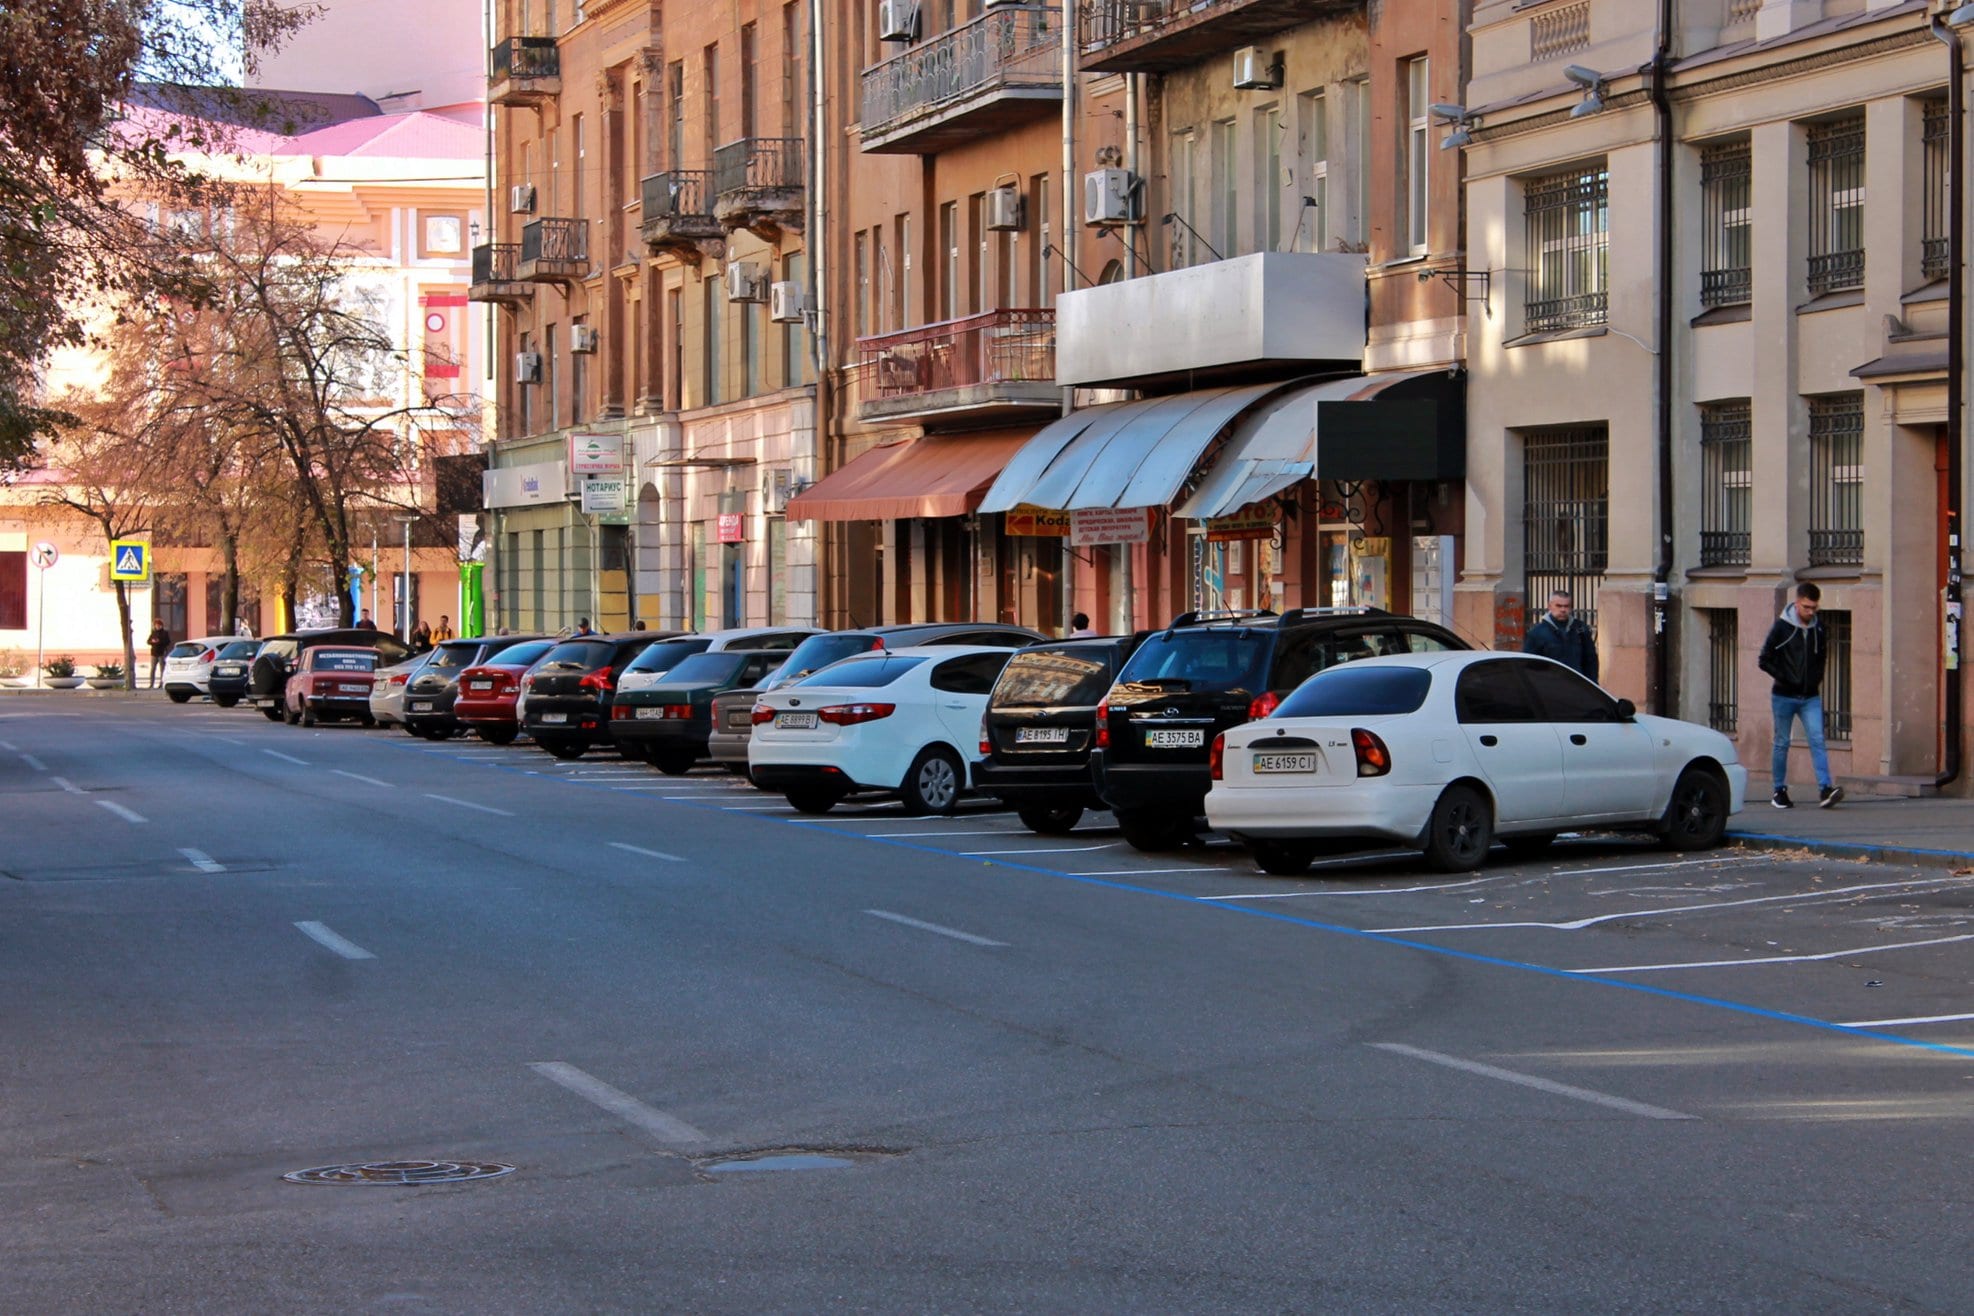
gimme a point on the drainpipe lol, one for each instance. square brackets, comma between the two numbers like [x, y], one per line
[1067, 242]
[818, 292]
[1661, 645]
[1956, 328]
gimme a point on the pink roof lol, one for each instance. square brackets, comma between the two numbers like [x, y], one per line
[412, 136]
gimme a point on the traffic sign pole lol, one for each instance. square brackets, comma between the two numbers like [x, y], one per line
[45, 555]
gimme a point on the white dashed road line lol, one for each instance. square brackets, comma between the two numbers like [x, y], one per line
[285, 758]
[358, 776]
[954, 933]
[10, 746]
[128, 815]
[1531, 1081]
[649, 854]
[1779, 959]
[34, 763]
[202, 861]
[1901, 1023]
[468, 804]
[68, 785]
[320, 933]
[666, 1130]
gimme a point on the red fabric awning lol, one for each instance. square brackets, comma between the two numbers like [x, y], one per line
[946, 476]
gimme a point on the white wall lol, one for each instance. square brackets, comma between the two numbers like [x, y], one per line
[378, 47]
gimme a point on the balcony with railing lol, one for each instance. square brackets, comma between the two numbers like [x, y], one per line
[678, 211]
[1001, 69]
[495, 275]
[757, 185]
[1157, 36]
[1000, 364]
[524, 71]
[554, 251]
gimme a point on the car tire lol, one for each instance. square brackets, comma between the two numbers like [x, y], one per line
[275, 714]
[1282, 858]
[439, 733]
[1460, 830]
[369, 722]
[1151, 830]
[308, 714]
[179, 696]
[813, 801]
[290, 716]
[226, 701]
[498, 735]
[560, 748]
[673, 763]
[1529, 845]
[1696, 816]
[1050, 819]
[934, 782]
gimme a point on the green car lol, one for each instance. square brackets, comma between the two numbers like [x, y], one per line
[668, 724]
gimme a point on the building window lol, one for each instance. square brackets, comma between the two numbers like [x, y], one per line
[1226, 199]
[1725, 194]
[1413, 157]
[579, 148]
[1836, 520]
[752, 314]
[675, 373]
[577, 373]
[1045, 274]
[714, 308]
[13, 590]
[1566, 505]
[901, 229]
[1837, 688]
[1268, 128]
[982, 273]
[860, 270]
[1726, 483]
[538, 577]
[949, 243]
[675, 109]
[550, 379]
[1358, 125]
[1933, 246]
[1568, 223]
[1723, 669]
[1313, 146]
[1836, 204]
[793, 61]
[748, 51]
[710, 69]
[1184, 207]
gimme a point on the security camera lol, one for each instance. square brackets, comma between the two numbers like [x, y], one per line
[1425, 276]
[1449, 113]
[1582, 76]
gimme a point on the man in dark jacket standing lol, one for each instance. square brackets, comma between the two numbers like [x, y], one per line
[1563, 636]
[1793, 655]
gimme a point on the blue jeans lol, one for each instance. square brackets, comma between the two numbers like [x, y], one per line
[1810, 710]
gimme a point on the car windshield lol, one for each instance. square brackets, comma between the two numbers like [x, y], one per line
[819, 651]
[452, 656]
[1206, 659]
[522, 655]
[707, 668]
[577, 656]
[665, 655]
[1358, 691]
[240, 649]
[863, 673]
[1054, 678]
[344, 660]
[186, 649]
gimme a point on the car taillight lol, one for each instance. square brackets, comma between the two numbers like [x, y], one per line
[208, 655]
[675, 712]
[397, 680]
[598, 680]
[1373, 759]
[1103, 725]
[762, 713]
[986, 741]
[1216, 758]
[1263, 705]
[849, 715]
[620, 712]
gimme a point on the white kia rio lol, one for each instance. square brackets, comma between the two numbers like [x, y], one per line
[903, 722]
[1450, 751]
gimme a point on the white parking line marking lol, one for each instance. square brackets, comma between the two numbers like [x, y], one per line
[729, 808]
[1145, 872]
[128, 815]
[668, 1130]
[1531, 1081]
[954, 933]
[68, 785]
[320, 933]
[649, 854]
[10, 746]
[285, 758]
[1779, 959]
[202, 861]
[993, 831]
[1061, 849]
[1916, 1019]
[1367, 891]
[468, 804]
[358, 776]
[1577, 925]
[1640, 868]
[34, 763]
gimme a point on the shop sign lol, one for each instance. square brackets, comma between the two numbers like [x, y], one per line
[1255, 521]
[602, 494]
[521, 486]
[1035, 522]
[1110, 525]
[596, 454]
[731, 528]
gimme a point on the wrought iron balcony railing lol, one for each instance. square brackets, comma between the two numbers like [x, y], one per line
[995, 358]
[523, 64]
[1004, 48]
[677, 194]
[496, 274]
[554, 249]
[759, 164]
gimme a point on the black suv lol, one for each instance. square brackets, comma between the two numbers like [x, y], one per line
[1036, 735]
[279, 655]
[568, 696]
[429, 695]
[1206, 672]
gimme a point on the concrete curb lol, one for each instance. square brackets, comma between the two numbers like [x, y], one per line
[1884, 854]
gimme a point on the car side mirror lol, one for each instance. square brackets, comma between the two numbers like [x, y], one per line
[1627, 711]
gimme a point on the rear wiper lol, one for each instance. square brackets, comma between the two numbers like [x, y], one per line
[1161, 683]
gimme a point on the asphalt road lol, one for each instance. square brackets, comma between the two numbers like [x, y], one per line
[1012, 1073]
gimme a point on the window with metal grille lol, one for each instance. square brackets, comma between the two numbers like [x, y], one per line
[1837, 706]
[1725, 196]
[1566, 509]
[1726, 483]
[1836, 204]
[1836, 520]
[1568, 234]
[1936, 174]
[1723, 672]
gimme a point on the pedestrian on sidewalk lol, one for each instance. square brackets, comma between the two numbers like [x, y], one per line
[160, 642]
[421, 637]
[1561, 635]
[443, 631]
[1079, 627]
[1793, 655]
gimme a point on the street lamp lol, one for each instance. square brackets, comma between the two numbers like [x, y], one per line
[404, 590]
[1463, 121]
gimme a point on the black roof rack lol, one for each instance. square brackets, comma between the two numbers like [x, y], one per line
[1298, 614]
[1222, 614]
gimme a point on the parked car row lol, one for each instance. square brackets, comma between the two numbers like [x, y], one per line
[1316, 731]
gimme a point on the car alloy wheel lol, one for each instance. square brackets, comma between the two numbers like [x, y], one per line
[1461, 830]
[1696, 818]
[934, 782]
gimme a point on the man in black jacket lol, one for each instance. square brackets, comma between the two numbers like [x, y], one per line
[1564, 637]
[1793, 657]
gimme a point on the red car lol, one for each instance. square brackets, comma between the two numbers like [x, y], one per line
[487, 693]
[331, 681]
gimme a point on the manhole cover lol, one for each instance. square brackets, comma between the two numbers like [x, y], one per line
[401, 1173]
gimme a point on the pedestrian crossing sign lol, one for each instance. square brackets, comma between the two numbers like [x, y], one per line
[130, 559]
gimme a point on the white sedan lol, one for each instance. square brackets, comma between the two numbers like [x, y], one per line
[903, 722]
[387, 690]
[1448, 751]
[188, 667]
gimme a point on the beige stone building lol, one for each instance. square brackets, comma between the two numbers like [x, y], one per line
[1804, 344]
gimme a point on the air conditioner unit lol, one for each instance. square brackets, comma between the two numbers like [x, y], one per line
[1004, 210]
[785, 302]
[1256, 70]
[521, 199]
[1108, 196]
[776, 485]
[527, 367]
[746, 282]
[897, 20]
[582, 338]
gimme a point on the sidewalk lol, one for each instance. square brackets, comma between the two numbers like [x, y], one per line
[1928, 832]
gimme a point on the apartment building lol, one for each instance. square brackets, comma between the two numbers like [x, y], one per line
[648, 267]
[1269, 380]
[1805, 391]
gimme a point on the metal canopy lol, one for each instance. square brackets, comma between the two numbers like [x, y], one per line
[1270, 449]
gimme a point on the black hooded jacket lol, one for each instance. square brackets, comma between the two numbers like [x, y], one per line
[1793, 655]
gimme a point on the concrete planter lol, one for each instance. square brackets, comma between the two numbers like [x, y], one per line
[64, 682]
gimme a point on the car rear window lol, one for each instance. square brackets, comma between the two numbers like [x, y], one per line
[1220, 658]
[240, 649]
[863, 673]
[522, 655]
[819, 651]
[709, 668]
[1354, 691]
[452, 657]
[666, 654]
[344, 660]
[578, 655]
[1055, 678]
[186, 649]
